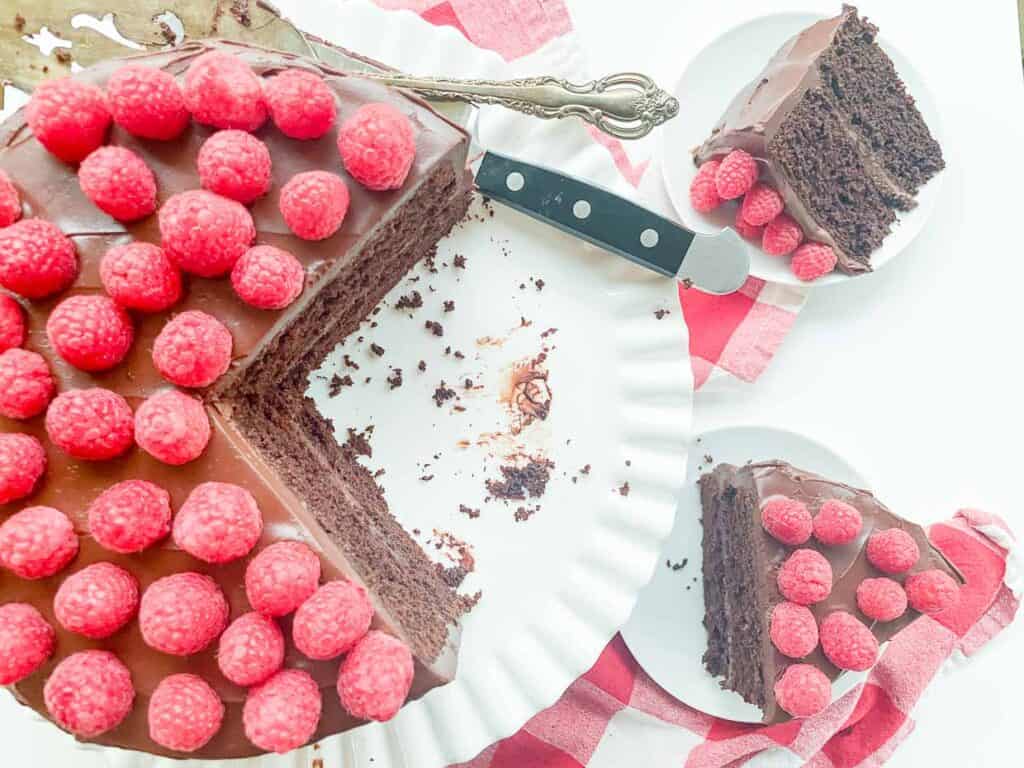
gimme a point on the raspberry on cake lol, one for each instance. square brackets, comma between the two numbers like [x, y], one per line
[12, 323]
[793, 630]
[251, 649]
[234, 164]
[26, 384]
[204, 233]
[280, 578]
[735, 175]
[787, 520]
[130, 516]
[119, 183]
[881, 599]
[10, 201]
[812, 260]
[781, 235]
[68, 117]
[172, 427]
[92, 424]
[805, 577]
[184, 713]
[704, 195]
[803, 690]
[223, 91]
[377, 146]
[193, 349]
[140, 276]
[761, 205]
[314, 204]
[22, 464]
[90, 331]
[27, 641]
[182, 614]
[375, 677]
[36, 259]
[218, 523]
[37, 542]
[332, 620]
[282, 714]
[89, 693]
[97, 601]
[267, 277]
[837, 523]
[892, 551]
[147, 102]
[301, 105]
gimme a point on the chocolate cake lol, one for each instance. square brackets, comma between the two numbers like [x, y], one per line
[267, 436]
[835, 131]
[742, 562]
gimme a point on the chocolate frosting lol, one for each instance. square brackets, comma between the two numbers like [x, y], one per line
[50, 190]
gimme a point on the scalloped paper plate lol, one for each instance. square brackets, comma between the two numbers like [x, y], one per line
[556, 587]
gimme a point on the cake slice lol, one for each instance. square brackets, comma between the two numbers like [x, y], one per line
[835, 131]
[742, 584]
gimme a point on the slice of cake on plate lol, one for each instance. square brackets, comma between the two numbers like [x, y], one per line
[804, 577]
[832, 139]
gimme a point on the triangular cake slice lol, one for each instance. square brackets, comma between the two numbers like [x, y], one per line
[835, 131]
[742, 563]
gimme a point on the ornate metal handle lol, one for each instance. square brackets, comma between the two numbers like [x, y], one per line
[627, 105]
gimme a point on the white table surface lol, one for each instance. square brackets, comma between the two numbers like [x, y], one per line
[914, 373]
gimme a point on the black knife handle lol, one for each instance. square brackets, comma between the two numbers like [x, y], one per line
[586, 211]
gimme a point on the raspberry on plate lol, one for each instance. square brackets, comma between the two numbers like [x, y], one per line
[803, 690]
[184, 713]
[204, 233]
[703, 192]
[761, 204]
[90, 331]
[10, 201]
[332, 620]
[37, 542]
[27, 641]
[92, 424]
[234, 164]
[282, 714]
[22, 463]
[36, 259]
[223, 91]
[375, 677]
[377, 146]
[314, 204]
[736, 175]
[193, 349]
[140, 276]
[786, 520]
[793, 630]
[182, 614]
[280, 578]
[301, 105]
[881, 599]
[267, 277]
[812, 260]
[251, 649]
[749, 231]
[69, 117]
[147, 102]
[218, 523]
[26, 384]
[837, 523]
[89, 693]
[892, 551]
[119, 183]
[130, 516]
[172, 427]
[847, 642]
[781, 235]
[97, 600]
[932, 591]
[12, 323]
[805, 577]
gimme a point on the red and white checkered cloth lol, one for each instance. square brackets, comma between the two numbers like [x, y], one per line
[615, 714]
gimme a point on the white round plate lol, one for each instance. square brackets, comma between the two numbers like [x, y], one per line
[665, 632]
[555, 587]
[710, 81]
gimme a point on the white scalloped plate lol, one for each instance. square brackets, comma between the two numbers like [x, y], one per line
[557, 587]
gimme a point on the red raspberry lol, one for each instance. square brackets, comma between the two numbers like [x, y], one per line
[805, 577]
[837, 523]
[130, 516]
[375, 678]
[251, 649]
[881, 599]
[301, 104]
[36, 259]
[761, 204]
[793, 630]
[26, 641]
[280, 578]
[184, 713]
[193, 349]
[781, 235]
[204, 233]
[812, 260]
[892, 551]
[140, 276]
[90, 331]
[314, 204]
[97, 600]
[932, 591]
[69, 117]
[147, 102]
[736, 175]
[172, 427]
[223, 91]
[10, 201]
[12, 323]
[26, 384]
[703, 192]
[282, 714]
[332, 620]
[847, 642]
[89, 693]
[235, 164]
[803, 690]
[786, 520]
[92, 424]
[218, 523]
[182, 614]
[377, 145]
[22, 463]
[267, 277]
[748, 231]
[37, 542]
[119, 183]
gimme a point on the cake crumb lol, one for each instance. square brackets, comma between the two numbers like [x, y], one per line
[585, 469]
[449, 305]
[395, 379]
[549, 332]
[539, 284]
[457, 551]
[459, 262]
[708, 458]
[686, 283]
[623, 489]
[377, 349]
[661, 313]
[412, 300]
[337, 383]
[677, 566]
[358, 443]
[350, 363]
[434, 327]
[468, 383]
[525, 513]
[469, 512]
[426, 478]
[379, 473]
[524, 476]
[422, 365]
[443, 393]
[458, 355]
